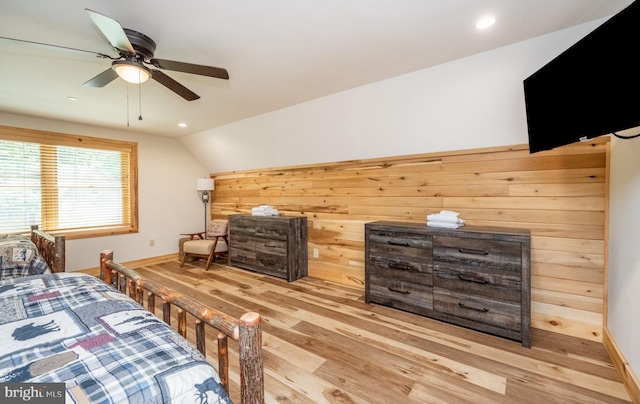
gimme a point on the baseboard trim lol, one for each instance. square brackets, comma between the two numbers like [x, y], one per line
[135, 263]
[627, 375]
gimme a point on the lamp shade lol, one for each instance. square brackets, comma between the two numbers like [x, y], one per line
[204, 184]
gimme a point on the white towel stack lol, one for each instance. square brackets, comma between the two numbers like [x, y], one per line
[446, 219]
[264, 210]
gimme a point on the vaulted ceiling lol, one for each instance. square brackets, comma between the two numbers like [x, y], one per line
[278, 53]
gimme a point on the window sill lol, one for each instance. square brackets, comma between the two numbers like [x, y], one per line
[94, 232]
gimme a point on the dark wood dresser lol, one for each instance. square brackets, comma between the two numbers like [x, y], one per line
[273, 245]
[474, 277]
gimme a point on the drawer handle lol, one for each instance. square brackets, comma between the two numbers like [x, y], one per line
[470, 251]
[405, 292]
[391, 242]
[402, 267]
[481, 281]
[464, 306]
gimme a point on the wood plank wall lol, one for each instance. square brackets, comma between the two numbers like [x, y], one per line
[560, 195]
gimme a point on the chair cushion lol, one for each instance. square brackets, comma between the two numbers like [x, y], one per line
[217, 227]
[203, 247]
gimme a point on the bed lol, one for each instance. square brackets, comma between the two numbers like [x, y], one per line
[38, 254]
[96, 336]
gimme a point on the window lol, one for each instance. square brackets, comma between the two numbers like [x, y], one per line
[74, 185]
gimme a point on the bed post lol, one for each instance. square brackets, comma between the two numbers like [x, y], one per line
[59, 258]
[51, 248]
[251, 366]
[105, 273]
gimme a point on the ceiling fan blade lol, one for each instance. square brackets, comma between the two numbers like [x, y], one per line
[98, 54]
[201, 70]
[112, 30]
[174, 86]
[102, 79]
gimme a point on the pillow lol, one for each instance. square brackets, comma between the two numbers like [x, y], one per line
[217, 227]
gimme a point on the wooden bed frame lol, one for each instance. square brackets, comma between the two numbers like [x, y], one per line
[51, 248]
[247, 330]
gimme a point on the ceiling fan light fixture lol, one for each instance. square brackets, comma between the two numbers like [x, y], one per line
[131, 71]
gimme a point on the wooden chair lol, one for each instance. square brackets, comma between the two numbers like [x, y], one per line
[207, 244]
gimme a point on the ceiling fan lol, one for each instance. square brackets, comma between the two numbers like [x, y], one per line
[136, 51]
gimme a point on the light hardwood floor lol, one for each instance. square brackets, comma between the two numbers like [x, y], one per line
[322, 343]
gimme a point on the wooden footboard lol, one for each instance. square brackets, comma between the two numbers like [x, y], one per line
[247, 330]
[52, 249]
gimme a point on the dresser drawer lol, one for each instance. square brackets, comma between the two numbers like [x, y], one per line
[405, 244]
[241, 225]
[271, 246]
[242, 240]
[497, 254]
[241, 257]
[400, 293]
[271, 264]
[487, 282]
[394, 265]
[382, 275]
[273, 230]
[482, 310]
[262, 227]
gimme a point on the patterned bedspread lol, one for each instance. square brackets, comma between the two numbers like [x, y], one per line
[76, 329]
[19, 257]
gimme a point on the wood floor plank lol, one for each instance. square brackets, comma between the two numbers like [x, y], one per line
[323, 344]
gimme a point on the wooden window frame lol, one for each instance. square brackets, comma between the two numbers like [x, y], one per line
[130, 206]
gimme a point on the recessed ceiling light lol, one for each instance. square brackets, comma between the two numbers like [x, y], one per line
[485, 22]
[182, 125]
[72, 98]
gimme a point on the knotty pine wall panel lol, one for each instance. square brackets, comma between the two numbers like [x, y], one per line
[560, 195]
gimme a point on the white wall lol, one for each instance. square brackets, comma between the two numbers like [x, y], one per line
[624, 254]
[473, 102]
[168, 201]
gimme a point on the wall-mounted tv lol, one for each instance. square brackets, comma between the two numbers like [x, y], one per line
[589, 90]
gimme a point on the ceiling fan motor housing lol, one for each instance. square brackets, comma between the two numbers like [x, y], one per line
[142, 44]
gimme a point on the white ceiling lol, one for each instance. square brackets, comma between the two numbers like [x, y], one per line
[278, 53]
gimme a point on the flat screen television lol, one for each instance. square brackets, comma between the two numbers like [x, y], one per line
[589, 90]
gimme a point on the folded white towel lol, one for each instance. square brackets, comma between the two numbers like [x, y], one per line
[264, 210]
[449, 212]
[444, 225]
[444, 218]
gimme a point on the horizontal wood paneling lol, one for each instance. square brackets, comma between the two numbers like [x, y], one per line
[560, 195]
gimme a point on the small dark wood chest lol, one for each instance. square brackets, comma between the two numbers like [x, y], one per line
[475, 277]
[273, 245]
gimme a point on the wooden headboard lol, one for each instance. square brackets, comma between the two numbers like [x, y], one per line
[51, 248]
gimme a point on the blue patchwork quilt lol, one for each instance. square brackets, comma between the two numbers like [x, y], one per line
[19, 257]
[105, 347]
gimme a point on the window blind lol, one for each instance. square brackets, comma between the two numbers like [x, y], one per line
[64, 188]
[20, 201]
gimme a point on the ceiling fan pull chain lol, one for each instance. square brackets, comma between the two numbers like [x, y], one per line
[140, 100]
[127, 105]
